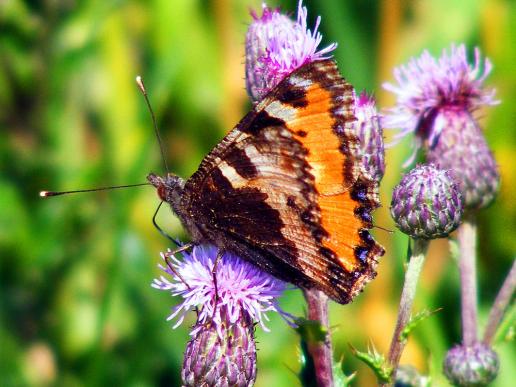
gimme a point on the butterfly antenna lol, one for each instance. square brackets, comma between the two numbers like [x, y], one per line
[139, 82]
[383, 229]
[161, 231]
[46, 194]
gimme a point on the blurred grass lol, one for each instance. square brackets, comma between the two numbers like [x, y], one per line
[76, 303]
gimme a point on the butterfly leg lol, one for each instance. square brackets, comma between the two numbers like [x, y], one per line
[169, 254]
[161, 231]
[214, 276]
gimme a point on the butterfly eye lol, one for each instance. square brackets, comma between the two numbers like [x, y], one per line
[162, 192]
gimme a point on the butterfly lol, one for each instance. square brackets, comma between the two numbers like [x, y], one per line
[284, 189]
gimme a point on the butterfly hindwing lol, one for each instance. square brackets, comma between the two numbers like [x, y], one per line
[284, 189]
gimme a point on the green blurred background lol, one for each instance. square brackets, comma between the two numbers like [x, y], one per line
[75, 272]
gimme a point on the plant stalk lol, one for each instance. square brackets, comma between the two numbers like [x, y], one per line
[467, 238]
[321, 352]
[415, 264]
[500, 304]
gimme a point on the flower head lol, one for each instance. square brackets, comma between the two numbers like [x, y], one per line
[276, 46]
[426, 85]
[471, 366]
[436, 101]
[427, 203]
[222, 350]
[242, 288]
[370, 135]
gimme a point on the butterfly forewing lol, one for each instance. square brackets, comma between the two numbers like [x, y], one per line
[284, 190]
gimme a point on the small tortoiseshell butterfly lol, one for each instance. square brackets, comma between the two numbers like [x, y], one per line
[284, 188]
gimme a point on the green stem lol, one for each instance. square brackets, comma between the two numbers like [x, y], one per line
[408, 294]
[467, 237]
[500, 304]
[321, 352]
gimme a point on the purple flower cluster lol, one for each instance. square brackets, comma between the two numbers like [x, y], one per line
[241, 288]
[427, 84]
[228, 300]
[436, 102]
[276, 46]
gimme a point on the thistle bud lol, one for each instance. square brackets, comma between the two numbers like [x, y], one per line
[427, 203]
[471, 366]
[221, 356]
[370, 135]
[463, 149]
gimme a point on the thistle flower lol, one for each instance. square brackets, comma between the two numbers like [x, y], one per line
[436, 102]
[427, 203]
[471, 366]
[370, 135]
[222, 344]
[276, 46]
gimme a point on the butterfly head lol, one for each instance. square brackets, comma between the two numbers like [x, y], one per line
[169, 188]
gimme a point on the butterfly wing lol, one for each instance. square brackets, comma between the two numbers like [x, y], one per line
[284, 189]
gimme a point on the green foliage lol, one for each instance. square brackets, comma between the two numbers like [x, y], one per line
[414, 322]
[339, 375]
[376, 362]
[311, 332]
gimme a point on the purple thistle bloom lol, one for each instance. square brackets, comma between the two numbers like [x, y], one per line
[222, 350]
[370, 134]
[436, 101]
[426, 85]
[276, 46]
[243, 289]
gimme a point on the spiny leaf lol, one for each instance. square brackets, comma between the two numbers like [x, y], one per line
[307, 372]
[376, 361]
[311, 331]
[340, 379]
[414, 321]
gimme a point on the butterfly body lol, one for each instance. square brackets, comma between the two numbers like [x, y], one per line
[284, 188]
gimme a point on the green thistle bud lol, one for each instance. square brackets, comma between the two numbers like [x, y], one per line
[427, 203]
[471, 366]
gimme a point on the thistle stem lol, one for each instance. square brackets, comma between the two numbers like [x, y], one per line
[467, 237]
[415, 264]
[321, 352]
[500, 304]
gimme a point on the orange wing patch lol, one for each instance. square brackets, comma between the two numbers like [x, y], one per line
[315, 130]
